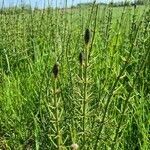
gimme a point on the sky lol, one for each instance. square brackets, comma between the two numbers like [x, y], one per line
[42, 3]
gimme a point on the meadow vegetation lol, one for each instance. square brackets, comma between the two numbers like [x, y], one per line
[76, 76]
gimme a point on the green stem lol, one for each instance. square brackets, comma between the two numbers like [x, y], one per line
[85, 93]
[56, 115]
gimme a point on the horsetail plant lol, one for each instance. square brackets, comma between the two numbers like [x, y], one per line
[56, 110]
[83, 60]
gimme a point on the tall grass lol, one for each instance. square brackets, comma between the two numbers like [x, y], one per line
[96, 98]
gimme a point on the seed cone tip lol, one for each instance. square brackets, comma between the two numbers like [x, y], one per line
[81, 58]
[55, 70]
[87, 36]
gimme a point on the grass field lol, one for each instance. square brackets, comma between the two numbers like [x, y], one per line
[75, 76]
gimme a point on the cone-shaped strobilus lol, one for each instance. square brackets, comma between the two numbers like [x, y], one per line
[55, 70]
[81, 58]
[87, 36]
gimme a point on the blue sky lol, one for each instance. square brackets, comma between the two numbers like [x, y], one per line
[42, 3]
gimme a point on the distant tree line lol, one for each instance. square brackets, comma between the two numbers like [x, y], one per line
[115, 4]
[89, 4]
[127, 3]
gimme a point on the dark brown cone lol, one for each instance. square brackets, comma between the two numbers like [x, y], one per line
[81, 58]
[87, 36]
[55, 70]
